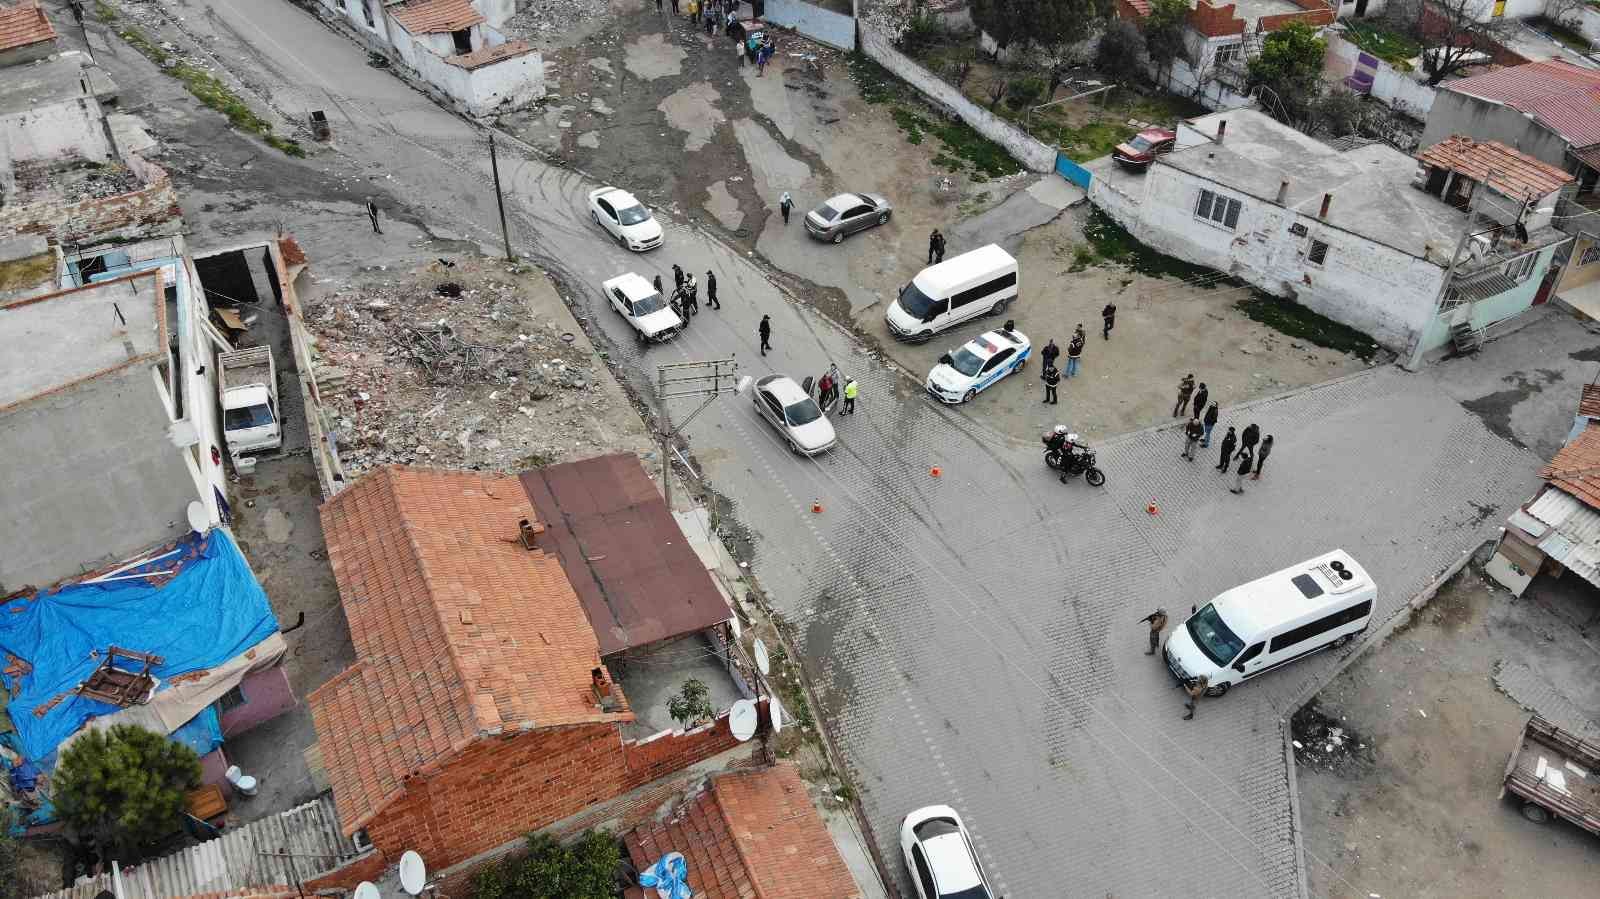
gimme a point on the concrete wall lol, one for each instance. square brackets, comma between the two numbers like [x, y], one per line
[1379, 290]
[1456, 113]
[1586, 21]
[1208, 91]
[496, 11]
[60, 130]
[503, 85]
[1035, 155]
[1401, 91]
[1579, 273]
[31, 53]
[267, 695]
[831, 28]
[150, 211]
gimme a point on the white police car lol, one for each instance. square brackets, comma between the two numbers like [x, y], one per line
[984, 360]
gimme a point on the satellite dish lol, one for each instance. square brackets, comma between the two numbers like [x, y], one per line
[776, 710]
[738, 629]
[365, 890]
[413, 873]
[742, 720]
[762, 662]
[198, 519]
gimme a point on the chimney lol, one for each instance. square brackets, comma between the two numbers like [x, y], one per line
[1327, 199]
[1222, 128]
[528, 534]
[1283, 192]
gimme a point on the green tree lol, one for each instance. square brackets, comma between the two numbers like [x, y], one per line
[1290, 66]
[123, 789]
[1005, 20]
[1121, 52]
[585, 869]
[11, 886]
[1058, 28]
[690, 705]
[1163, 34]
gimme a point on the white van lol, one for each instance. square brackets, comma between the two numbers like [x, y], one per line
[975, 283]
[1256, 627]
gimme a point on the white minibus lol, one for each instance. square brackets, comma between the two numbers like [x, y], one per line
[978, 282]
[1272, 621]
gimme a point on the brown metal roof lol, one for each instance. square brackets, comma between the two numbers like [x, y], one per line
[1564, 96]
[634, 571]
[24, 24]
[436, 16]
[1514, 173]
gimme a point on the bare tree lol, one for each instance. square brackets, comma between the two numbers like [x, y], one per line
[1453, 32]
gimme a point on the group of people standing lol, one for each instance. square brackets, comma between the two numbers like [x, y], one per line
[1051, 375]
[1246, 452]
[685, 298]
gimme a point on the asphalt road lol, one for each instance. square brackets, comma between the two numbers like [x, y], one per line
[975, 636]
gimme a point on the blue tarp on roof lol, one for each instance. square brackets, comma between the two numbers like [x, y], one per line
[211, 611]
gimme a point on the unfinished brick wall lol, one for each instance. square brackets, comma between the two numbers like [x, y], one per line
[150, 211]
[1316, 15]
[498, 789]
[1215, 21]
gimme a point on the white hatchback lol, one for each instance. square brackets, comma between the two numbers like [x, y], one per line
[625, 218]
[795, 414]
[966, 372]
[940, 855]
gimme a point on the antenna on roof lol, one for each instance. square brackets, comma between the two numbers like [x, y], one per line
[742, 720]
[413, 873]
[775, 709]
[365, 890]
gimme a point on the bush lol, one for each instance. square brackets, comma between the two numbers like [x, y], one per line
[690, 705]
[585, 869]
[1120, 53]
[123, 789]
[1024, 92]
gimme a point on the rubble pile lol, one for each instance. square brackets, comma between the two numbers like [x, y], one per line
[416, 375]
[536, 19]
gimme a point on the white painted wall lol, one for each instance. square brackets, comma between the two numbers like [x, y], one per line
[1347, 9]
[1402, 91]
[496, 11]
[69, 128]
[509, 83]
[1380, 290]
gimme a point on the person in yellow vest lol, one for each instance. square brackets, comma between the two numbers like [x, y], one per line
[850, 393]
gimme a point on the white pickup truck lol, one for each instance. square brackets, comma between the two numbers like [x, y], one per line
[247, 383]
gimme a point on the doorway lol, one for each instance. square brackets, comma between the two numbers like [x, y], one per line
[463, 41]
[1361, 8]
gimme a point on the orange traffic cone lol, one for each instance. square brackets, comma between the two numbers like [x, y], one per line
[1153, 509]
[816, 507]
[935, 471]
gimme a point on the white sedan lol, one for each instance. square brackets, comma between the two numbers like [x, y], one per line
[940, 855]
[646, 310]
[625, 218]
[964, 373]
[795, 414]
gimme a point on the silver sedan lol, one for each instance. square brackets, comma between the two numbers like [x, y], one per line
[847, 214]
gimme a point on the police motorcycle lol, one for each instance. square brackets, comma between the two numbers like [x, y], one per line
[1064, 453]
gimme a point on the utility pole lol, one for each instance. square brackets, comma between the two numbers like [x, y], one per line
[698, 379]
[1450, 270]
[494, 165]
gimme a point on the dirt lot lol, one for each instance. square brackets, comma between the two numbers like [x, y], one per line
[1401, 756]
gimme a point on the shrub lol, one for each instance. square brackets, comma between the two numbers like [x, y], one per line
[123, 788]
[1024, 92]
[690, 705]
[1121, 52]
[584, 869]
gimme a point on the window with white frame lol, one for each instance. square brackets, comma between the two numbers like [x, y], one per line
[1520, 268]
[1217, 209]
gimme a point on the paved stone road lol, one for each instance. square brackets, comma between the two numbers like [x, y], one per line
[975, 636]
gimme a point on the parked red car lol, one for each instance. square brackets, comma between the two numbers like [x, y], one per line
[1137, 154]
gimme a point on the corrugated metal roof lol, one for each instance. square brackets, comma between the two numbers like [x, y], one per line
[436, 16]
[233, 864]
[1511, 172]
[1564, 96]
[1574, 540]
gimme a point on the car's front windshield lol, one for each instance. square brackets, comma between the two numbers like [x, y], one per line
[247, 417]
[633, 215]
[802, 413]
[1140, 143]
[1215, 638]
[649, 304]
[966, 362]
[916, 303]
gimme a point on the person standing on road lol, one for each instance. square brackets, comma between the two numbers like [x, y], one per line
[1246, 460]
[372, 213]
[765, 330]
[1196, 688]
[785, 203]
[1191, 437]
[677, 277]
[850, 393]
[1201, 394]
[1229, 441]
[1210, 421]
[674, 7]
[1185, 389]
[658, 285]
[1051, 378]
[1261, 457]
[658, 5]
[935, 247]
[711, 290]
[1049, 353]
[1157, 620]
[1249, 438]
[1108, 320]
[1074, 351]
[691, 294]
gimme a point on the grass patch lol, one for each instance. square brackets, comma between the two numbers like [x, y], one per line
[961, 147]
[910, 123]
[875, 83]
[104, 12]
[790, 691]
[1112, 243]
[206, 87]
[1292, 319]
[1091, 141]
[28, 272]
[1563, 35]
[1391, 46]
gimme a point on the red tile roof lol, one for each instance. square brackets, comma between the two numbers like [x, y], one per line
[289, 248]
[753, 834]
[1589, 403]
[1515, 174]
[639, 579]
[23, 24]
[1565, 97]
[489, 55]
[459, 632]
[436, 16]
[1576, 469]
